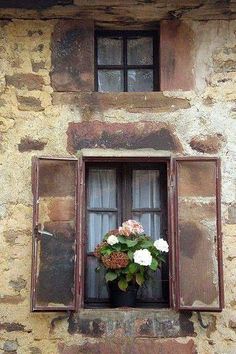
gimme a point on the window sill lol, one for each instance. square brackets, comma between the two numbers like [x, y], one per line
[134, 322]
[134, 102]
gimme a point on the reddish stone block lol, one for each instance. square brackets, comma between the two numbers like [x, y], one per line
[28, 81]
[132, 136]
[73, 56]
[29, 144]
[210, 144]
[154, 346]
[176, 56]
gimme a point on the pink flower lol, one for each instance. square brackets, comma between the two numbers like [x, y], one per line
[130, 227]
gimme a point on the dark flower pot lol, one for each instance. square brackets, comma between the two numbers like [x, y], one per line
[119, 298]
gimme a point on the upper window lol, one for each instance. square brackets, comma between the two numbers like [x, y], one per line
[126, 61]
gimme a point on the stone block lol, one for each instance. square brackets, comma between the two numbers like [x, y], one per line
[18, 284]
[25, 81]
[132, 136]
[209, 144]
[232, 214]
[10, 346]
[29, 104]
[29, 144]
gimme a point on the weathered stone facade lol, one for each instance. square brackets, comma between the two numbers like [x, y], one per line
[37, 120]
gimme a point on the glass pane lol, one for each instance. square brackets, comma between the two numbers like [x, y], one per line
[110, 81]
[98, 225]
[95, 281]
[110, 51]
[197, 233]
[146, 189]
[56, 240]
[152, 289]
[140, 80]
[150, 222]
[102, 188]
[140, 51]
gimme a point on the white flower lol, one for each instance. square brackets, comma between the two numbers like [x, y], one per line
[161, 245]
[143, 257]
[112, 240]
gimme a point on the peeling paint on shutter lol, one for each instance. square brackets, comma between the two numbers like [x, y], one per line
[198, 235]
[55, 229]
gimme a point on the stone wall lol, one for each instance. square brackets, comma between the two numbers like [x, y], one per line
[35, 120]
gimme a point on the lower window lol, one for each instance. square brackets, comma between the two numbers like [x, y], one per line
[114, 193]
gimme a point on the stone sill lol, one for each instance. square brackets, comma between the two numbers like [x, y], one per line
[159, 323]
[134, 102]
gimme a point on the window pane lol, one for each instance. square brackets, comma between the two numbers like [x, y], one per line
[140, 80]
[146, 189]
[109, 51]
[140, 51]
[110, 81]
[150, 222]
[96, 287]
[152, 289]
[98, 225]
[102, 188]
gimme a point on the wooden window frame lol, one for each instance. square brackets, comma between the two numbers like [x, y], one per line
[124, 67]
[124, 211]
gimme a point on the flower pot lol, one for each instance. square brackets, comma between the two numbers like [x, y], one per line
[119, 298]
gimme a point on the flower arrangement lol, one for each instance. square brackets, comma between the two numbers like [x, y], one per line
[128, 254]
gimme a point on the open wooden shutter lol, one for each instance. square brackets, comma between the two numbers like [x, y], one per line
[176, 56]
[198, 249]
[55, 229]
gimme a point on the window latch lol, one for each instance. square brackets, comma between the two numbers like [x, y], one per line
[42, 232]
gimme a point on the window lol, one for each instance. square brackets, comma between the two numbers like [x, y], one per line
[117, 192]
[126, 61]
[174, 198]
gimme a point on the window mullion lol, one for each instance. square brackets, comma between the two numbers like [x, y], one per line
[125, 63]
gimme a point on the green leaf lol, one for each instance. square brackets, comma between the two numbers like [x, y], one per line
[146, 244]
[154, 264]
[122, 283]
[110, 276]
[139, 279]
[130, 255]
[132, 243]
[133, 267]
[129, 277]
[122, 239]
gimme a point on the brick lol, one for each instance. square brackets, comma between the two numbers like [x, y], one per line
[144, 346]
[25, 81]
[73, 56]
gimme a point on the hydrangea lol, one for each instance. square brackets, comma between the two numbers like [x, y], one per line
[161, 245]
[112, 240]
[131, 227]
[143, 257]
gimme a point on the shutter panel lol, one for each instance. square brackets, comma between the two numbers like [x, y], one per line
[199, 275]
[73, 56]
[55, 230]
[176, 56]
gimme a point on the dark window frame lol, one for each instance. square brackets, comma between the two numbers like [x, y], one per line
[124, 212]
[125, 67]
